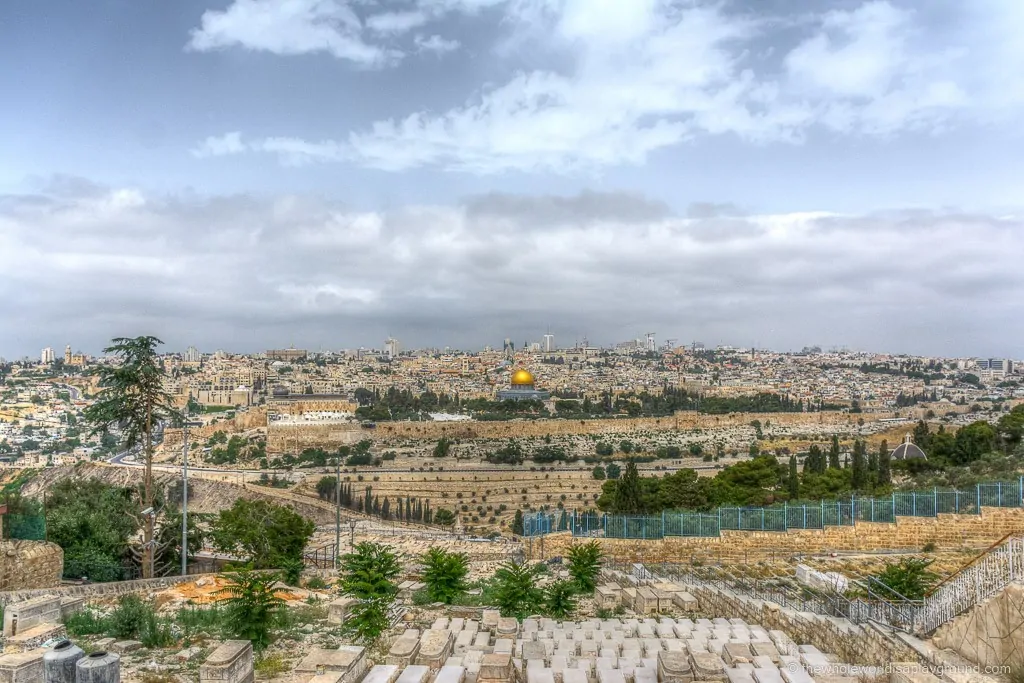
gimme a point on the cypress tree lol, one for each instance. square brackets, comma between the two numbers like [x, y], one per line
[884, 465]
[833, 453]
[627, 494]
[794, 479]
[517, 523]
[859, 478]
[872, 468]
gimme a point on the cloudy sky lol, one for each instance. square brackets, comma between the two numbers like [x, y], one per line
[244, 174]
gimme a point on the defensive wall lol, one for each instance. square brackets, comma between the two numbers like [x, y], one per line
[253, 418]
[295, 437]
[946, 531]
[30, 564]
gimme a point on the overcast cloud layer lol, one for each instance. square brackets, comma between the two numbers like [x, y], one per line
[242, 273]
[244, 174]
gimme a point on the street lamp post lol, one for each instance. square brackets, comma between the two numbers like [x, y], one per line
[184, 495]
[337, 509]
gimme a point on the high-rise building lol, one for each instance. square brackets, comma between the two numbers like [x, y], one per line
[67, 354]
[47, 356]
[192, 355]
[549, 343]
[391, 347]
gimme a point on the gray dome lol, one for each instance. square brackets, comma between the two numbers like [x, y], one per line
[908, 451]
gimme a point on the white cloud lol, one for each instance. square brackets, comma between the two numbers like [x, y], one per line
[245, 273]
[651, 74]
[396, 22]
[223, 145]
[290, 27]
[436, 44]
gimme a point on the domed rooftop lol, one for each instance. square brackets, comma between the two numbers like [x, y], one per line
[522, 378]
[908, 450]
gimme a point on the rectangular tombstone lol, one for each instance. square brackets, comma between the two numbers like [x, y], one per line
[739, 676]
[21, 616]
[482, 641]
[350, 660]
[665, 599]
[534, 651]
[539, 675]
[783, 643]
[450, 674]
[435, 648]
[405, 648]
[736, 653]
[574, 676]
[22, 667]
[414, 674]
[382, 673]
[707, 666]
[674, 667]
[440, 624]
[337, 610]
[496, 667]
[765, 649]
[610, 676]
[456, 624]
[767, 675]
[230, 663]
[645, 675]
[503, 645]
[463, 641]
[490, 618]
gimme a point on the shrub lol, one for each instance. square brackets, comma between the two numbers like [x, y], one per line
[252, 606]
[515, 591]
[444, 574]
[560, 599]
[909, 578]
[585, 565]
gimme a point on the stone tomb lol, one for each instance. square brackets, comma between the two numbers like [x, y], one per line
[229, 663]
[22, 667]
[22, 616]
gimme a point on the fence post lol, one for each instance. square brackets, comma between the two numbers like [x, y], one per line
[956, 500]
[913, 507]
[872, 509]
[999, 494]
[977, 497]
[663, 524]
[1020, 492]
[935, 501]
[805, 515]
[762, 518]
[785, 511]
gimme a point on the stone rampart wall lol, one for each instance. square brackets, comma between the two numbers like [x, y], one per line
[908, 533]
[30, 564]
[292, 437]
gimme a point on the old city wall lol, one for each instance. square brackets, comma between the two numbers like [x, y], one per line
[946, 531]
[313, 405]
[30, 564]
[241, 422]
[291, 437]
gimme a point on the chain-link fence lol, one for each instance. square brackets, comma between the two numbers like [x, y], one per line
[24, 527]
[790, 515]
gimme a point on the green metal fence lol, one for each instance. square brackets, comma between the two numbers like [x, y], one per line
[24, 527]
[792, 515]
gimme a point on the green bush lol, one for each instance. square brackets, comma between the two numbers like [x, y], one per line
[444, 574]
[585, 565]
[560, 599]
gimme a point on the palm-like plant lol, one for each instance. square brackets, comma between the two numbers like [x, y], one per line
[560, 599]
[132, 400]
[445, 574]
[252, 605]
[585, 565]
[516, 593]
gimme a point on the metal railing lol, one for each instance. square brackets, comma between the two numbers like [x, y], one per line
[869, 599]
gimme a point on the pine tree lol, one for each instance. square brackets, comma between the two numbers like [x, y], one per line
[794, 479]
[884, 465]
[833, 453]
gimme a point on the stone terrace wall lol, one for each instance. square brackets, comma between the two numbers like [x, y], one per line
[95, 590]
[30, 564]
[908, 533]
[292, 437]
[853, 644]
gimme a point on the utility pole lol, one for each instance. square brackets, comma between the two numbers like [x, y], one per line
[337, 509]
[184, 495]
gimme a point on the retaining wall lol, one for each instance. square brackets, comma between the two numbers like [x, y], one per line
[30, 564]
[946, 531]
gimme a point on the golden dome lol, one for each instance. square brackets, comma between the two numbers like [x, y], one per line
[521, 377]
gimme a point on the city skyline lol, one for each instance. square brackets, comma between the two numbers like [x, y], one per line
[459, 171]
